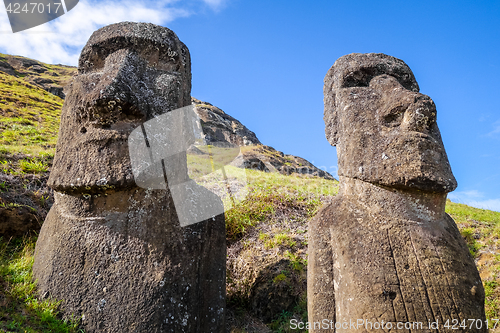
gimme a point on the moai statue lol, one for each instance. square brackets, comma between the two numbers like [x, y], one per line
[384, 255]
[116, 253]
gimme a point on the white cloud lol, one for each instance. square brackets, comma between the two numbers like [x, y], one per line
[491, 204]
[61, 40]
[474, 198]
[467, 194]
[215, 4]
[496, 129]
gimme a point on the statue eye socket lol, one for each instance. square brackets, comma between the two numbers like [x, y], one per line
[92, 64]
[394, 117]
[356, 79]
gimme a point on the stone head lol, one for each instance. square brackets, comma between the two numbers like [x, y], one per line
[384, 129]
[128, 73]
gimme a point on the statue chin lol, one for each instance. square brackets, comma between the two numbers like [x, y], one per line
[402, 160]
[414, 162]
[420, 182]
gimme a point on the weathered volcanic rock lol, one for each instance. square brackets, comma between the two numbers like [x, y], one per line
[221, 129]
[268, 159]
[6, 67]
[113, 252]
[269, 296]
[385, 251]
[25, 200]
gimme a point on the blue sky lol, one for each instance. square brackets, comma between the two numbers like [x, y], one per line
[263, 62]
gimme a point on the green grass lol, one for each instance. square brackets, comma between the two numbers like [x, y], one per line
[296, 262]
[279, 278]
[213, 159]
[469, 236]
[280, 239]
[481, 230]
[275, 211]
[10, 205]
[25, 164]
[33, 166]
[21, 310]
[463, 213]
[282, 323]
[270, 191]
[30, 117]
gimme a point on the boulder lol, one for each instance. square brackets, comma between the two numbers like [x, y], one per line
[275, 291]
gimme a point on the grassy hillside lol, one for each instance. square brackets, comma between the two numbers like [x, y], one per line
[266, 233]
[267, 250]
[267, 245]
[481, 230]
[29, 115]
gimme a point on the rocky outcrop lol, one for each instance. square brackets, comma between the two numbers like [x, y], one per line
[384, 251]
[221, 129]
[6, 67]
[268, 159]
[115, 253]
[51, 78]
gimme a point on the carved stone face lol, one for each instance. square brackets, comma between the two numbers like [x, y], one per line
[384, 129]
[128, 73]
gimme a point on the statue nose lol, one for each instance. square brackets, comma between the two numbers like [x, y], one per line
[118, 76]
[411, 110]
[420, 115]
[113, 90]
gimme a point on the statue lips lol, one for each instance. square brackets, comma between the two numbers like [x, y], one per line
[102, 136]
[419, 137]
[107, 148]
[420, 142]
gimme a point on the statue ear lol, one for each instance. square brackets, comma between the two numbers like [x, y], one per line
[330, 117]
[331, 129]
